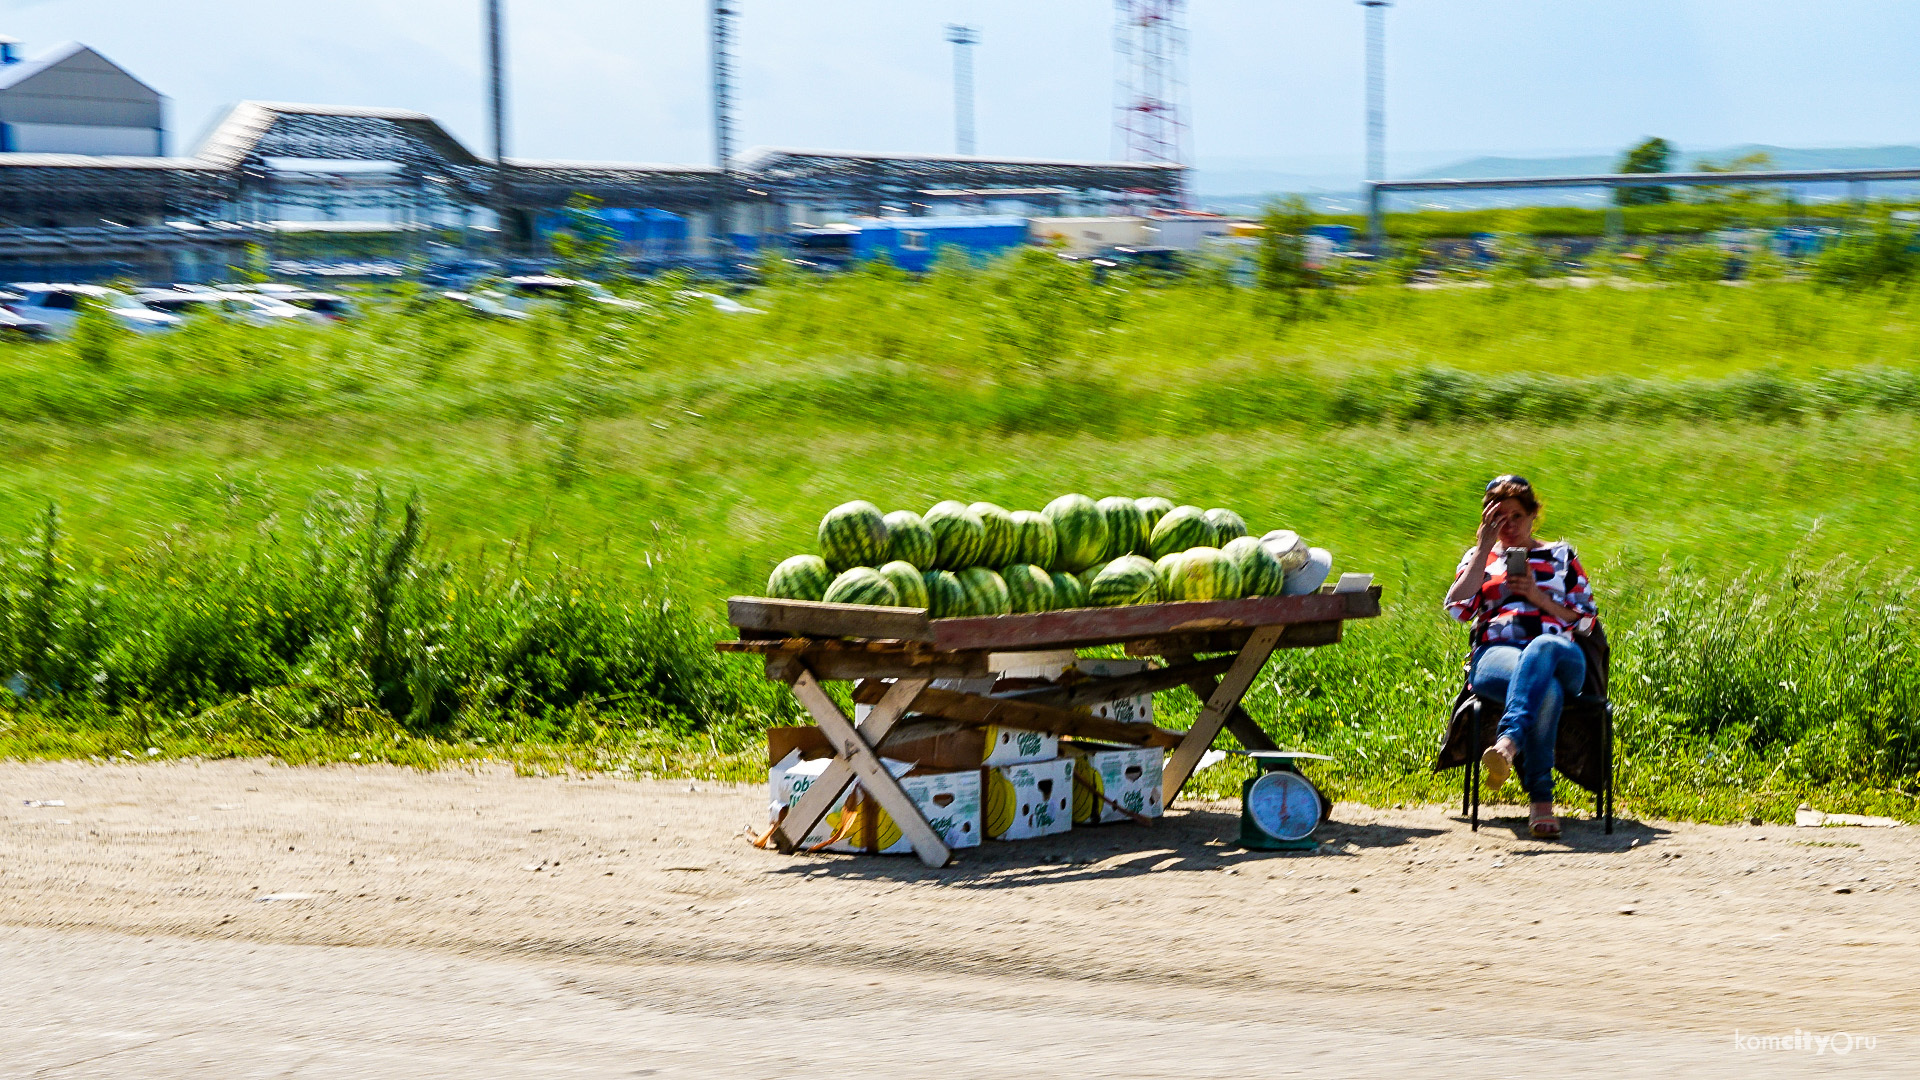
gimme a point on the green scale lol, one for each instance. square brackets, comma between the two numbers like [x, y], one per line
[1279, 807]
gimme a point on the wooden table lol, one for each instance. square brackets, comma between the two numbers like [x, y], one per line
[895, 654]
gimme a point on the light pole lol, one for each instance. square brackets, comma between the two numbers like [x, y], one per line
[497, 122]
[1376, 110]
[964, 38]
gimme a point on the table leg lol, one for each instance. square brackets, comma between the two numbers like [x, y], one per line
[1250, 733]
[857, 760]
[1221, 704]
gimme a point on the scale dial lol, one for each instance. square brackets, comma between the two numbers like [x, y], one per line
[1283, 805]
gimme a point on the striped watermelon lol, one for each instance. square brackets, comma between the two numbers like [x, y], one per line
[1164, 570]
[986, 591]
[1035, 542]
[1068, 591]
[1086, 576]
[862, 585]
[1182, 528]
[1227, 525]
[945, 597]
[1029, 588]
[909, 540]
[1003, 543]
[853, 534]
[906, 580]
[1155, 508]
[958, 535]
[1205, 573]
[1080, 532]
[1126, 580]
[803, 577]
[1127, 528]
[1260, 573]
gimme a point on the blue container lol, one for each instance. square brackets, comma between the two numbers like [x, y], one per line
[914, 243]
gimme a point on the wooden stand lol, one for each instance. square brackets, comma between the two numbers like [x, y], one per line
[895, 654]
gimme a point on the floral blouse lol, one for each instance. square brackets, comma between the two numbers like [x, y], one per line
[1502, 617]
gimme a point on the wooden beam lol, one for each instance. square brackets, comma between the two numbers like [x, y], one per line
[847, 666]
[805, 618]
[1095, 626]
[857, 760]
[1005, 712]
[1308, 635]
[1115, 687]
[1239, 722]
[1206, 726]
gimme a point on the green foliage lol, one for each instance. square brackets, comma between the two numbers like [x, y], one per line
[96, 334]
[1884, 253]
[1734, 194]
[1653, 155]
[1282, 265]
[585, 244]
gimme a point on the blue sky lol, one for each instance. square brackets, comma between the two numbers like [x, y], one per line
[1278, 82]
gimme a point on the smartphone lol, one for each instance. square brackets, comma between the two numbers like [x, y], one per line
[1517, 565]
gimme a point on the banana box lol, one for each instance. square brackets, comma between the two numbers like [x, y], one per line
[950, 801]
[1109, 783]
[1030, 799]
[1136, 709]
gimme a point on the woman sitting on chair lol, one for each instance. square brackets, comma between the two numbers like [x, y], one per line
[1523, 646]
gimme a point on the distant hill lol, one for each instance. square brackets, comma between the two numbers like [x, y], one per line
[1868, 157]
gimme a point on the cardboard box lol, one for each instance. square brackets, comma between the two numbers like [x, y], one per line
[950, 801]
[1028, 800]
[1109, 781]
[971, 748]
[1137, 709]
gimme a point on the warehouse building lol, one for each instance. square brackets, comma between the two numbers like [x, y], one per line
[75, 101]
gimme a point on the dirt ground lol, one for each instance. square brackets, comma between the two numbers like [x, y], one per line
[250, 919]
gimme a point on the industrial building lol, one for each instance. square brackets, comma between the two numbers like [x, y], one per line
[85, 190]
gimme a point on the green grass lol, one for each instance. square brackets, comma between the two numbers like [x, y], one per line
[1744, 521]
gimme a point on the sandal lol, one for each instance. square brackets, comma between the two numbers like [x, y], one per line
[1543, 823]
[1498, 765]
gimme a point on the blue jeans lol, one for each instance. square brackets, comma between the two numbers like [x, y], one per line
[1535, 682]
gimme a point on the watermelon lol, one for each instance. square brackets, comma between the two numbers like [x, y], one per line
[853, 534]
[803, 577]
[909, 540]
[1227, 525]
[1002, 546]
[1068, 591]
[1260, 573]
[1286, 546]
[1126, 580]
[1127, 528]
[1035, 543]
[986, 592]
[1164, 570]
[945, 597]
[1183, 527]
[862, 585]
[1205, 573]
[958, 535]
[906, 580]
[1086, 576]
[1079, 530]
[1029, 588]
[1155, 508]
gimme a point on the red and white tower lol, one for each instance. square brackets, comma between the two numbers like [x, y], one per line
[1150, 53]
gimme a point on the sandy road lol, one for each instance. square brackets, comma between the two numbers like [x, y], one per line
[486, 924]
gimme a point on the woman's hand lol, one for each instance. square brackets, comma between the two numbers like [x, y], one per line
[1529, 590]
[1489, 527]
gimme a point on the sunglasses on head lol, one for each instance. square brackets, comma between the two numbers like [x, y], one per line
[1508, 478]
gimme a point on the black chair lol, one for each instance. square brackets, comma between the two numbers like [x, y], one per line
[1583, 752]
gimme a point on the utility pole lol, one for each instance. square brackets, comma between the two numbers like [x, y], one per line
[1376, 111]
[497, 121]
[721, 41]
[964, 38]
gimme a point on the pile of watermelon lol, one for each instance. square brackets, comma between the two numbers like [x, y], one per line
[959, 559]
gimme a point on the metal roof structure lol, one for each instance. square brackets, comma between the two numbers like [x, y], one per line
[865, 180]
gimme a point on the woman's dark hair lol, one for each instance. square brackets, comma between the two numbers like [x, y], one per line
[1515, 488]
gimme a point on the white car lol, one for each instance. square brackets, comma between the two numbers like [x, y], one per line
[242, 307]
[536, 292]
[331, 306]
[59, 307]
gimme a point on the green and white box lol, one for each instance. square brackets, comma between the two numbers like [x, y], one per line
[1031, 799]
[950, 801]
[1129, 776]
[1136, 709]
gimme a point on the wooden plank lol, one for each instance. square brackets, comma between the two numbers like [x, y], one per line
[1309, 635]
[1243, 726]
[1093, 626]
[1113, 688]
[847, 666]
[975, 709]
[805, 618]
[1206, 726]
[857, 759]
[875, 781]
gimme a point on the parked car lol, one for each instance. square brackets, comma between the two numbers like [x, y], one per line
[331, 306]
[58, 306]
[485, 305]
[242, 307]
[532, 292]
[19, 326]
